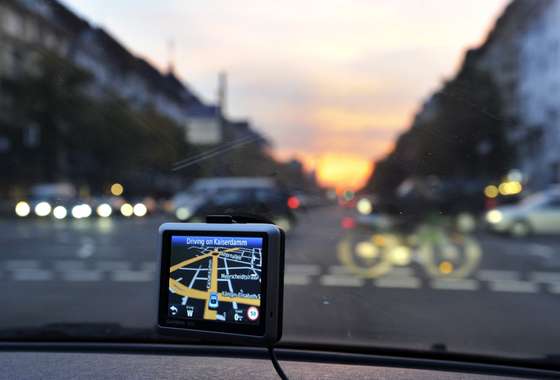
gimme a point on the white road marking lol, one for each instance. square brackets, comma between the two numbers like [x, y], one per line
[339, 270]
[554, 288]
[303, 269]
[401, 272]
[68, 265]
[148, 266]
[132, 276]
[545, 276]
[513, 286]
[541, 250]
[454, 284]
[82, 276]
[21, 264]
[296, 279]
[337, 280]
[495, 274]
[32, 275]
[398, 282]
[111, 265]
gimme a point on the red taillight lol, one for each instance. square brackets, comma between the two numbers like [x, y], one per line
[348, 223]
[293, 202]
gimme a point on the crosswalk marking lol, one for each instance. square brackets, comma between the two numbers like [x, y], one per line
[297, 279]
[21, 264]
[554, 288]
[398, 282]
[32, 275]
[112, 265]
[297, 275]
[513, 286]
[132, 276]
[497, 274]
[82, 275]
[337, 280]
[339, 270]
[68, 265]
[545, 276]
[454, 284]
[303, 269]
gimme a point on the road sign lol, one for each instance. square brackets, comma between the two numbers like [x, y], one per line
[253, 313]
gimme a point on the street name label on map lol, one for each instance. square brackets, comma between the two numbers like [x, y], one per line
[241, 294]
[253, 277]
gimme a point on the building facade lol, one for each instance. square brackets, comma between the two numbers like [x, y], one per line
[29, 28]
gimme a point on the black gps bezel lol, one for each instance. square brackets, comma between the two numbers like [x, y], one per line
[164, 320]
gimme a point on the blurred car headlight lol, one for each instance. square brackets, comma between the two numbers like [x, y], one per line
[494, 216]
[104, 210]
[140, 209]
[60, 212]
[43, 209]
[22, 209]
[127, 210]
[81, 211]
[364, 206]
[183, 213]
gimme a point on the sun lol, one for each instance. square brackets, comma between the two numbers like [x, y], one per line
[343, 172]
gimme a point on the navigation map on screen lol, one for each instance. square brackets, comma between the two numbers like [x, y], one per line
[215, 278]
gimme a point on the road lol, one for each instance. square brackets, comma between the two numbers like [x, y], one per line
[475, 293]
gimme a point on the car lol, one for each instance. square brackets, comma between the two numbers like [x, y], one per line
[260, 197]
[213, 300]
[49, 199]
[536, 214]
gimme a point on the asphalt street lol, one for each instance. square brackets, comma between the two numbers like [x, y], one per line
[463, 292]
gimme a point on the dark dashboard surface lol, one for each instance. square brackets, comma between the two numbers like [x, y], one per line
[52, 361]
[44, 365]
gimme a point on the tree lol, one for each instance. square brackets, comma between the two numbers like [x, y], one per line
[460, 133]
[83, 139]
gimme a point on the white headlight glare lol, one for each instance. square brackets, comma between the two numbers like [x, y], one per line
[494, 216]
[127, 210]
[183, 213]
[104, 210]
[140, 209]
[60, 212]
[43, 209]
[22, 209]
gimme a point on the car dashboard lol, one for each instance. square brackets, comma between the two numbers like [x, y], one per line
[23, 360]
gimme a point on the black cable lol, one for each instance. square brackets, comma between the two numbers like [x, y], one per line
[276, 365]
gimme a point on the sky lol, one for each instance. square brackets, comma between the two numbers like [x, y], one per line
[332, 83]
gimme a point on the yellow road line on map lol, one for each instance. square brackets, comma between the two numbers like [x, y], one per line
[187, 292]
[199, 294]
[214, 275]
[211, 314]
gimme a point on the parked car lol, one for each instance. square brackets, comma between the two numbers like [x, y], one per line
[539, 214]
[257, 196]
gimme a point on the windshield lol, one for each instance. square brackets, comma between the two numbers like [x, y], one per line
[385, 137]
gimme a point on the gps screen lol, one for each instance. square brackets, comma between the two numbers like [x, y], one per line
[215, 278]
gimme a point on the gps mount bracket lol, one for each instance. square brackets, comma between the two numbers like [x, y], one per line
[236, 218]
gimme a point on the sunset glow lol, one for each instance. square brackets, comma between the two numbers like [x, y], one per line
[343, 172]
[329, 82]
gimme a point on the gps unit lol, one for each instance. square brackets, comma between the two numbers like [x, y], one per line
[222, 282]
